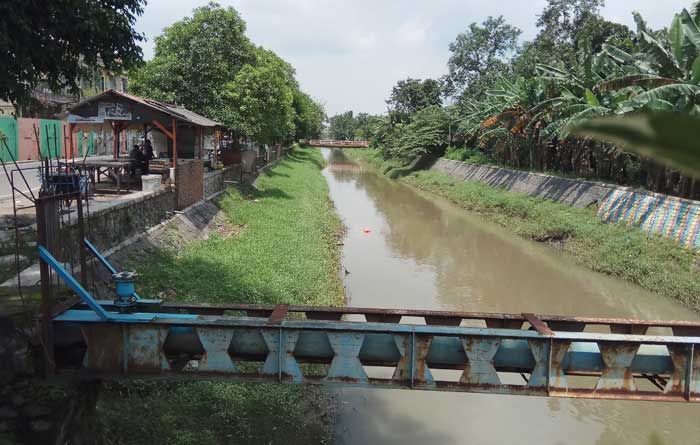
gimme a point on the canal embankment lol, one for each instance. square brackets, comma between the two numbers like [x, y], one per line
[620, 250]
[274, 242]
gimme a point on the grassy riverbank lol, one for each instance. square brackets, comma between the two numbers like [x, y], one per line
[280, 247]
[654, 263]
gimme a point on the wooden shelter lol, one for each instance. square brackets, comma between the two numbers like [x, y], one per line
[185, 131]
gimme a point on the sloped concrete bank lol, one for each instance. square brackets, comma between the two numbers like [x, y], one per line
[674, 218]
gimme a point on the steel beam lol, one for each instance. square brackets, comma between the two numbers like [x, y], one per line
[186, 346]
[432, 317]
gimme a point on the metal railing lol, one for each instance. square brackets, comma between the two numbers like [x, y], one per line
[335, 143]
[514, 354]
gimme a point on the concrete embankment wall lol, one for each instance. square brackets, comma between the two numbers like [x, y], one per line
[674, 218]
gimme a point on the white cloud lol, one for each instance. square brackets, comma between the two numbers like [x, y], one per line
[348, 54]
[411, 34]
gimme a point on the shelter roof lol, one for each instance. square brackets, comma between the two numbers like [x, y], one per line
[174, 111]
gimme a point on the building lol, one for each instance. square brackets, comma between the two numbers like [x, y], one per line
[54, 104]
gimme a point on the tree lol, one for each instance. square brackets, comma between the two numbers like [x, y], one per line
[561, 22]
[479, 56]
[259, 100]
[342, 126]
[57, 42]
[569, 29]
[426, 133]
[309, 116]
[412, 95]
[363, 126]
[195, 59]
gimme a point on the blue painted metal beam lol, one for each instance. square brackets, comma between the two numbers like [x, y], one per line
[53, 263]
[105, 262]
[214, 347]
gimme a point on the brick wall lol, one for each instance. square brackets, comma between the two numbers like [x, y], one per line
[189, 182]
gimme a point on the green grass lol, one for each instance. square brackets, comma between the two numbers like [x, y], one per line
[284, 251]
[373, 157]
[654, 263]
[469, 155]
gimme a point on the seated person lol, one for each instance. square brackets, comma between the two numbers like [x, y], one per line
[147, 155]
[136, 157]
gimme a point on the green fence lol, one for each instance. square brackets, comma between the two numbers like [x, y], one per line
[86, 141]
[51, 133]
[8, 127]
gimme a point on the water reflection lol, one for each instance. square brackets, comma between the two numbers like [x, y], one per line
[405, 249]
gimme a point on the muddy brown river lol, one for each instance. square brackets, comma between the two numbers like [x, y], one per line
[405, 249]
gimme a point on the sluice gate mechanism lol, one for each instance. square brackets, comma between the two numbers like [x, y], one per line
[520, 354]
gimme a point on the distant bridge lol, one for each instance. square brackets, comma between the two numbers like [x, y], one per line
[334, 144]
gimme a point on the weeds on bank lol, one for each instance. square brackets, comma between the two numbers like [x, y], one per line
[288, 253]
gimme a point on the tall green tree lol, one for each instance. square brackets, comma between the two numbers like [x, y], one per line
[259, 100]
[412, 95]
[309, 116]
[342, 126]
[59, 41]
[479, 56]
[363, 126]
[568, 31]
[195, 59]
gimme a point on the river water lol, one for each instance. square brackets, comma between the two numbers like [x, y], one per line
[405, 249]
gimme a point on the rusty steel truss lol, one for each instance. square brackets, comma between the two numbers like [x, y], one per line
[519, 354]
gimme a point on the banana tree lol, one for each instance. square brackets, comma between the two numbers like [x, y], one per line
[665, 73]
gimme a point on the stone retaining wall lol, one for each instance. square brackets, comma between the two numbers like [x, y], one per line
[112, 225]
[215, 181]
[674, 218]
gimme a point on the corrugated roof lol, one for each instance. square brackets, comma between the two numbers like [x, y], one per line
[194, 117]
[175, 111]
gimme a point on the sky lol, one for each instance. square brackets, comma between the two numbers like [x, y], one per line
[348, 54]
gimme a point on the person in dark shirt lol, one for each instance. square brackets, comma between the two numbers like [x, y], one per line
[136, 157]
[147, 155]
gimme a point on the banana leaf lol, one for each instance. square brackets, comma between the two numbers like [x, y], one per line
[670, 138]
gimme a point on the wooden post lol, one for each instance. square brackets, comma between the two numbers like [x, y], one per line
[65, 146]
[115, 144]
[47, 234]
[71, 129]
[200, 147]
[217, 142]
[174, 143]
[81, 244]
